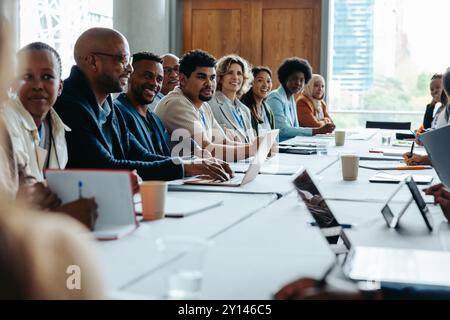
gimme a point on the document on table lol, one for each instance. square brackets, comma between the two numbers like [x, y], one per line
[179, 208]
[383, 177]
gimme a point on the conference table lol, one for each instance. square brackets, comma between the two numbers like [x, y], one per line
[261, 234]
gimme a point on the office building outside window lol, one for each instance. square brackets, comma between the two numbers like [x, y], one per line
[60, 22]
[383, 55]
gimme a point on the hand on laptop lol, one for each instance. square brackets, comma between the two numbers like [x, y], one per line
[416, 159]
[39, 196]
[442, 197]
[312, 289]
[207, 167]
[84, 210]
[326, 128]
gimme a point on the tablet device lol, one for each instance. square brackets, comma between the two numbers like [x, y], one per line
[424, 211]
[395, 207]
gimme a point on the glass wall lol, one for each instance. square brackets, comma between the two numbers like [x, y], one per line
[384, 53]
[60, 22]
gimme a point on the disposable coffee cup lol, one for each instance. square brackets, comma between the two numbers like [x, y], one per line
[350, 163]
[153, 195]
[339, 137]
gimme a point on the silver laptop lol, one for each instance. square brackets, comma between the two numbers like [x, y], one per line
[386, 265]
[437, 144]
[252, 171]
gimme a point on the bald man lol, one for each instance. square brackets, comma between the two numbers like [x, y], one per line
[99, 137]
[171, 66]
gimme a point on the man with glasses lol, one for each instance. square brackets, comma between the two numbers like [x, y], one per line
[171, 65]
[99, 137]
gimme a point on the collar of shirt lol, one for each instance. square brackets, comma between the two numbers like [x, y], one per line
[104, 112]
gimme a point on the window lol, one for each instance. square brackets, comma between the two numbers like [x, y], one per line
[384, 53]
[60, 22]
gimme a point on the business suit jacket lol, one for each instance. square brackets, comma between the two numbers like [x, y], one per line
[222, 108]
[87, 146]
[285, 114]
[139, 128]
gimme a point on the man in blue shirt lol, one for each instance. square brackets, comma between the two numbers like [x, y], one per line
[293, 73]
[99, 136]
[144, 86]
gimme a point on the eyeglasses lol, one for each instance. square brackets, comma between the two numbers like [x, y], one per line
[168, 70]
[124, 59]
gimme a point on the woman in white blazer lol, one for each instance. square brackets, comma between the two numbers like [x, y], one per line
[37, 132]
[233, 79]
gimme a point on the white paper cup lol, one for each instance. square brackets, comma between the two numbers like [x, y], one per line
[339, 137]
[153, 195]
[350, 163]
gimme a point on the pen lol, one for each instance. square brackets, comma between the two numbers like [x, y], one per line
[343, 225]
[412, 149]
[80, 188]
[413, 168]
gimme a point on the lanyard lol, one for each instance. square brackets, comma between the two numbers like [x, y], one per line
[238, 117]
[203, 119]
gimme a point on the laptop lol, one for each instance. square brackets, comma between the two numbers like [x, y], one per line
[437, 144]
[385, 265]
[113, 194]
[252, 171]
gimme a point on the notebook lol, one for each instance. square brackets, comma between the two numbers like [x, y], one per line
[383, 177]
[113, 194]
[180, 208]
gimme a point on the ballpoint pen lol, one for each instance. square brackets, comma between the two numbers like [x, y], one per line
[343, 225]
[80, 189]
[412, 149]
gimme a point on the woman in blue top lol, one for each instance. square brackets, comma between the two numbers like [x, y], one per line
[293, 73]
[233, 79]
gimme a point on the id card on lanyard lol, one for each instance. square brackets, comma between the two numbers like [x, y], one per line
[203, 120]
[238, 117]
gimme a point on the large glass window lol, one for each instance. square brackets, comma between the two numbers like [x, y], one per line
[384, 53]
[60, 22]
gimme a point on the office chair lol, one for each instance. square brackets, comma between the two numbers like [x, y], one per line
[389, 125]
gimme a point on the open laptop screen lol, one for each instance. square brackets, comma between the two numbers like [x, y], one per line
[324, 218]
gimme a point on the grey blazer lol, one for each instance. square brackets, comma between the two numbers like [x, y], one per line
[222, 109]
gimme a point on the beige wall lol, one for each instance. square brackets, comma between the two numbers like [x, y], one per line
[145, 23]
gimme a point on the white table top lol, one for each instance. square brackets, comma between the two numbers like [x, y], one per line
[262, 243]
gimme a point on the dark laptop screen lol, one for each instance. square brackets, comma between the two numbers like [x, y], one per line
[321, 213]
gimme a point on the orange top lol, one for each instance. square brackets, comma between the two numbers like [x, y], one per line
[307, 113]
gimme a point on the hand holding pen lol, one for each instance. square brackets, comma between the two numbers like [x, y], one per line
[412, 150]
